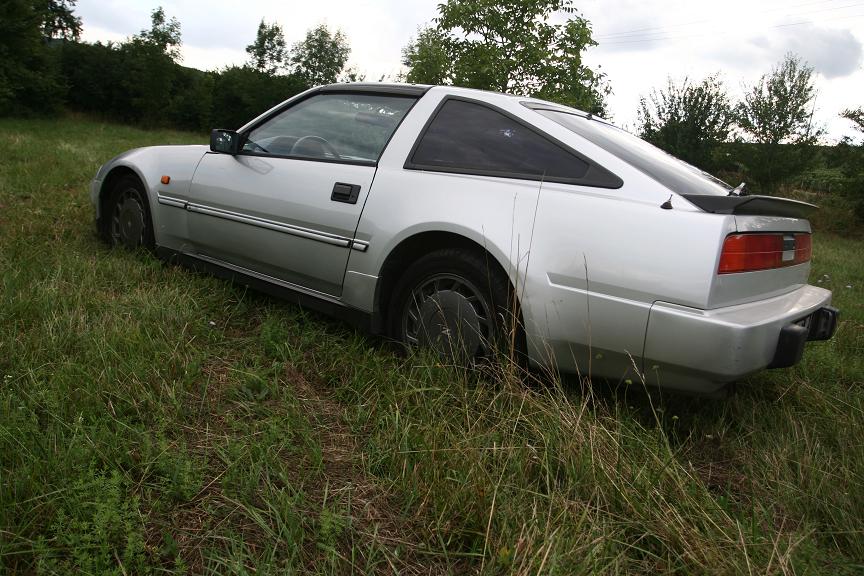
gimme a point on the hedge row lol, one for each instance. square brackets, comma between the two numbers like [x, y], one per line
[136, 83]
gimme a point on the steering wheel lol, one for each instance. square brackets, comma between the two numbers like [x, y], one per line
[325, 146]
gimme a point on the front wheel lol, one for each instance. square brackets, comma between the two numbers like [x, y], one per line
[457, 303]
[128, 213]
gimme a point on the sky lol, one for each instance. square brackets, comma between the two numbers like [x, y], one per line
[641, 43]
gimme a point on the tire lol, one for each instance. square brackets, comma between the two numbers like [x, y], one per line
[459, 303]
[127, 217]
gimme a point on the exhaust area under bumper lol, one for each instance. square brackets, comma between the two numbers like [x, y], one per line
[790, 346]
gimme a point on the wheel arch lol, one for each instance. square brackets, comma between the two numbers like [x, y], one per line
[415, 246]
[114, 175]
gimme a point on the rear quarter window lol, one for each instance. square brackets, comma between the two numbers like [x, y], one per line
[677, 175]
[472, 138]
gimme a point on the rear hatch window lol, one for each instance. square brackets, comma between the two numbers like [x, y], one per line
[675, 174]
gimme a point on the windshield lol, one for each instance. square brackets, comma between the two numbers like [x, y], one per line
[675, 174]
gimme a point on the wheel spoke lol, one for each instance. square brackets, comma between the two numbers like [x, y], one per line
[460, 319]
[412, 315]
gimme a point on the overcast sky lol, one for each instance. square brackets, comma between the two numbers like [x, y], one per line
[641, 42]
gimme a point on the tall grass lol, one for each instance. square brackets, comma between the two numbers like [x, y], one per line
[157, 421]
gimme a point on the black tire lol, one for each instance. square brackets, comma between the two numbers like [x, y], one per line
[127, 216]
[459, 303]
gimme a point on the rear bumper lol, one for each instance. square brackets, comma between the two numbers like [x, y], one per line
[701, 350]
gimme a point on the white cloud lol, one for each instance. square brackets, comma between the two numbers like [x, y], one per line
[832, 52]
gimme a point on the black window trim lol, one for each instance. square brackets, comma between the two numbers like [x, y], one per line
[596, 175]
[348, 89]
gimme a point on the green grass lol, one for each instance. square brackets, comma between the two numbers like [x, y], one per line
[157, 421]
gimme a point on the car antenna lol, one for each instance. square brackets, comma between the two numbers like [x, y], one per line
[667, 205]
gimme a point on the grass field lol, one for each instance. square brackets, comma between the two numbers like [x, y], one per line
[157, 421]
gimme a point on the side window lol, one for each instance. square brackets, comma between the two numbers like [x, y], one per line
[350, 127]
[468, 137]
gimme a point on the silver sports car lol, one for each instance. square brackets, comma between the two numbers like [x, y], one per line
[461, 220]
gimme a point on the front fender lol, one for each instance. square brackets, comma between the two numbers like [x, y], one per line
[149, 165]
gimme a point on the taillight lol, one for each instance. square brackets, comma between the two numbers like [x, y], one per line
[751, 252]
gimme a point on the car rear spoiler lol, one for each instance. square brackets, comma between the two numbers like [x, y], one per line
[752, 205]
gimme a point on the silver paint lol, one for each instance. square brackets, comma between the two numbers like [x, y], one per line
[610, 284]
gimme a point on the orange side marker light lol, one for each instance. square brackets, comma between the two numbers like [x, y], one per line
[166, 179]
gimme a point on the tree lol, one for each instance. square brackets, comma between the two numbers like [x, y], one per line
[428, 58]
[29, 82]
[853, 163]
[687, 120]
[320, 57]
[152, 55]
[509, 46]
[267, 53]
[856, 116]
[352, 74]
[164, 35]
[58, 21]
[779, 108]
[777, 114]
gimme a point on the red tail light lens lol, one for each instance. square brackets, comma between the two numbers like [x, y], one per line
[751, 252]
[803, 248]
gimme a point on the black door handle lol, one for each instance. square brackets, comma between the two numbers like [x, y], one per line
[347, 193]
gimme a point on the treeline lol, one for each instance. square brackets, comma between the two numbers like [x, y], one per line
[133, 84]
[44, 69]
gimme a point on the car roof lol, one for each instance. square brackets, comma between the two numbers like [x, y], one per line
[377, 87]
[420, 89]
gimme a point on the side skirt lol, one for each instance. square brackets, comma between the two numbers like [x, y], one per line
[356, 318]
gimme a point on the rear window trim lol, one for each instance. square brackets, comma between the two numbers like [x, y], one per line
[611, 181]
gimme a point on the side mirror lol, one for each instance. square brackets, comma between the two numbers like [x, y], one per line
[224, 141]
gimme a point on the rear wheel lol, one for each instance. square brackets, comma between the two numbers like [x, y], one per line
[128, 215]
[458, 303]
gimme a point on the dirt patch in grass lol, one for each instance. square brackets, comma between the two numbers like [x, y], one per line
[373, 514]
[718, 468]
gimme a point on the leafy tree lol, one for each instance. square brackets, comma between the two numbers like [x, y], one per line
[852, 157]
[687, 120]
[320, 57]
[58, 21]
[428, 58]
[267, 53]
[779, 108]
[352, 74]
[777, 113]
[164, 35]
[150, 64]
[509, 46]
[191, 105]
[242, 93]
[856, 116]
[29, 82]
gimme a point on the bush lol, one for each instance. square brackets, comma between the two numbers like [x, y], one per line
[134, 82]
[242, 93]
[29, 82]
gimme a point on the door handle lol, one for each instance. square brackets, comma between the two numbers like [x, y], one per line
[347, 193]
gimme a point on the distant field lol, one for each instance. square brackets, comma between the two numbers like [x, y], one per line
[157, 421]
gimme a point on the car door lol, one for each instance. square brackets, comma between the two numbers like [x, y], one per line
[287, 205]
